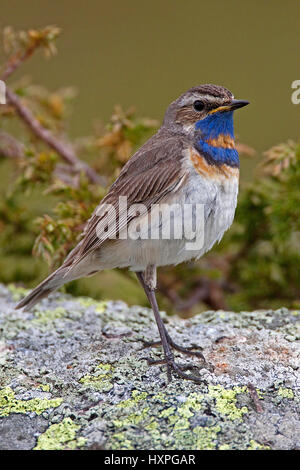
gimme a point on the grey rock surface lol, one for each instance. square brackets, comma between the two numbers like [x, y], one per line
[74, 376]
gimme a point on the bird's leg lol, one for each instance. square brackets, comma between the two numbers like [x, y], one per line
[148, 281]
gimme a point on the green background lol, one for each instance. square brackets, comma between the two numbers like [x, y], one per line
[147, 53]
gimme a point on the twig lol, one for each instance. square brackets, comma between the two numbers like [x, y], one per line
[62, 148]
[30, 42]
[10, 147]
[16, 61]
[208, 291]
[255, 398]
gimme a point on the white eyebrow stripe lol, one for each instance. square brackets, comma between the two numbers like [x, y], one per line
[211, 99]
[214, 98]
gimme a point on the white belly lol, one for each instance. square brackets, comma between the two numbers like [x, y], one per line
[218, 198]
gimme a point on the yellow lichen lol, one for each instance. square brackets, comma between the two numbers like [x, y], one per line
[226, 401]
[9, 404]
[60, 436]
[285, 393]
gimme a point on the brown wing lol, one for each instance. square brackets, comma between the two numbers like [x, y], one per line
[153, 171]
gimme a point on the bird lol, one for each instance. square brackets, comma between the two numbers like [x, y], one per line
[190, 162]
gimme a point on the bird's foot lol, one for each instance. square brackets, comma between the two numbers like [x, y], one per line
[172, 366]
[179, 369]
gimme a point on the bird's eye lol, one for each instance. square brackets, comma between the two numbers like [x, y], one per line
[198, 105]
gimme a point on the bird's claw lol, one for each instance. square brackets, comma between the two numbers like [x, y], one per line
[172, 366]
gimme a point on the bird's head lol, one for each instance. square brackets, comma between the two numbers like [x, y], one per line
[206, 111]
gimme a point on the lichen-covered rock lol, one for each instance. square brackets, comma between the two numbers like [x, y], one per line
[74, 376]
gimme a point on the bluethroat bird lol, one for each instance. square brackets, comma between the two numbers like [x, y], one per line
[191, 160]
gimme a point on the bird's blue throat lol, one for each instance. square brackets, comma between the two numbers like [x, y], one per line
[214, 139]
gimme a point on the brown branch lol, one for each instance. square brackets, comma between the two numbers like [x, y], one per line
[35, 39]
[62, 148]
[10, 147]
[16, 61]
[67, 174]
[206, 290]
[255, 398]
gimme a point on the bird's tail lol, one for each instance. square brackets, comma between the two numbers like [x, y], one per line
[50, 284]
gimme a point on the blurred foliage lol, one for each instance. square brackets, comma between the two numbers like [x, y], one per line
[17, 43]
[45, 203]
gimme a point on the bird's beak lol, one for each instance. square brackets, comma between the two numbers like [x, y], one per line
[235, 104]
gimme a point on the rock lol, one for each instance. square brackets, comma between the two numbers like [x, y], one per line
[74, 376]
